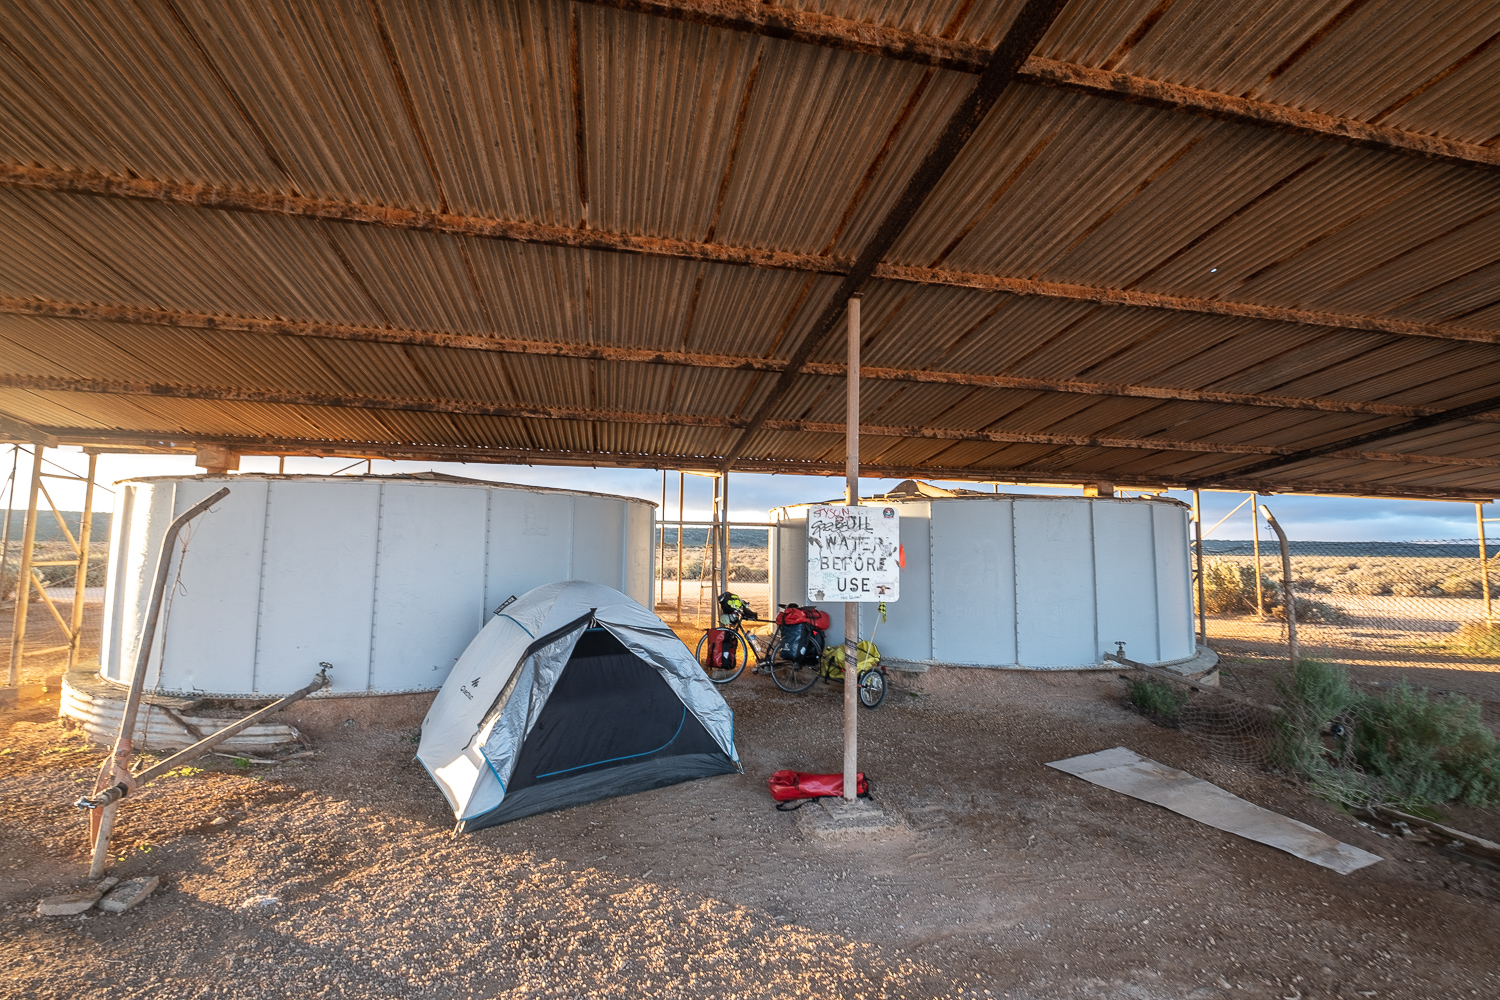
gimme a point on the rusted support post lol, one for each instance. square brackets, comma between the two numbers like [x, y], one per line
[681, 482]
[1288, 600]
[724, 532]
[10, 506]
[1484, 560]
[851, 608]
[81, 576]
[23, 574]
[659, 577]
[1198, 564]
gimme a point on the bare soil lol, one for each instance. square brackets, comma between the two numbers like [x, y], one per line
[1009, 879]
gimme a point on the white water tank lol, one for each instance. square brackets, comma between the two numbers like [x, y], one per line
[385, 577]
[1028, 582]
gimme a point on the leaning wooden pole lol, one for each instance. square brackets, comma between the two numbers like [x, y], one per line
[851, 608]
[1287, 599]
[116, 768]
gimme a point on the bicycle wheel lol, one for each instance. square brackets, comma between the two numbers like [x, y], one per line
[730, 661]
[872, 688]
[793, 677]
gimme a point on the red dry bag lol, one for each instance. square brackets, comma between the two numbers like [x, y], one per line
[798, 786]
[721, 649]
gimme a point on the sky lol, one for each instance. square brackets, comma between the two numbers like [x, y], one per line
[752, 495]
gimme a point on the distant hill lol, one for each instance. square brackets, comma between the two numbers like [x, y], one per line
[1354, 550]
[46, 524]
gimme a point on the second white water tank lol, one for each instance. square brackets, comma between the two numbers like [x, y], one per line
[1032, 582]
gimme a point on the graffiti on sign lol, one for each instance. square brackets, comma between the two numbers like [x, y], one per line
[853, 553]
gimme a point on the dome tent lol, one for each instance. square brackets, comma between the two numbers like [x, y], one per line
[572, 692]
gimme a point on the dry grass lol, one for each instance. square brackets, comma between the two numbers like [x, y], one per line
[1371, 576]
[745, 565]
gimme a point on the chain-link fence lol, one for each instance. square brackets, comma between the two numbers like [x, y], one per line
[692, 599]
[1378, 602]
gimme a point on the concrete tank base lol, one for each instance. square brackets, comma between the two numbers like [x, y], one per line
[167, 722]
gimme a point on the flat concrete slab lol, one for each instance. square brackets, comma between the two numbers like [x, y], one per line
[69, 903]
[125, 895]
[832, 818]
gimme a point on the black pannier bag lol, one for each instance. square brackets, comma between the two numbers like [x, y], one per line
[801, 643]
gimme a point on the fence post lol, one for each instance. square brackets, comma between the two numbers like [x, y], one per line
[1484, 561]
[681, 482]
[1198, 563]
[1260, 597]
[1288, 600]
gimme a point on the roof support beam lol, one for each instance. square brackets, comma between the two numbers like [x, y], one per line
[1030, 24]
[269, 203]
[46, 383]
[157, 442]
[927, 50]
[212, 322]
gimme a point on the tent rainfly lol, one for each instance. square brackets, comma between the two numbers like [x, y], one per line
[573, 692]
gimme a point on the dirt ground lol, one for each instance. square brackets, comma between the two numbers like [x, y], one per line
[336, 876]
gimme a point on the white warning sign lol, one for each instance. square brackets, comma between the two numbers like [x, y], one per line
[853, 553]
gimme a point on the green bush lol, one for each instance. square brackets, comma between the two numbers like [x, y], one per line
[1404, 746]
[1159, 702]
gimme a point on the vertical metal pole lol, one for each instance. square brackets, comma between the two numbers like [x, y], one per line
[724, 535]
[281, 465]
[81, 576]
[1198, 562]
[1288, 600]
[712, 561]
[23, 575]
[1260, 599]
[1484, 561]
[681, 481]
[851, 609]
[10, 504]
[660, 594]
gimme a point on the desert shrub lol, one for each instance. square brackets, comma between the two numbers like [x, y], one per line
[1230, 590]
[1159, 702]
[1477, 638]
[1404, 746]
[1316, 612]
[1458, 586]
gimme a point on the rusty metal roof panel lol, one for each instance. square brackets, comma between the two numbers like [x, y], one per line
[811, 137]
[314, 77]
[1350, 70]
[981, 22]
[492, 93]
[120, 89]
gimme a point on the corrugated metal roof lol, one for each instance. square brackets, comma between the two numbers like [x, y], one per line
[659, 154]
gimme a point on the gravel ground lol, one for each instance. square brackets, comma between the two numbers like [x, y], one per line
[335, 875]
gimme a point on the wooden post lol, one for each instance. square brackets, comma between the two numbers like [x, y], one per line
[10, 506]
[1198, 564]
[724, 532]
[681, 481]
[80, 580]
[1484, 561]
[1260, 599]
[851, 608]
[659, 584]
[1287, 598]
[23, 575]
